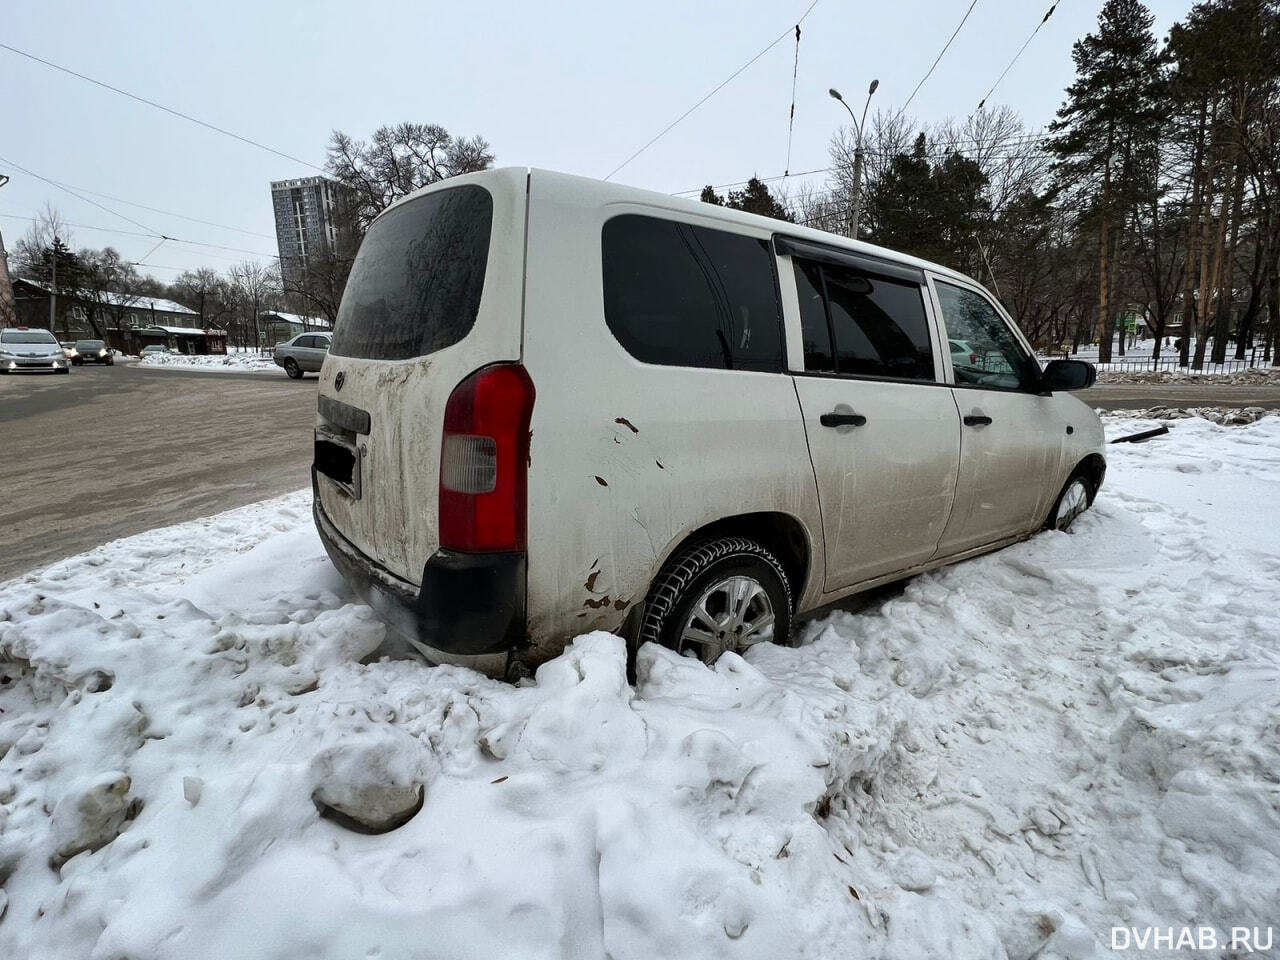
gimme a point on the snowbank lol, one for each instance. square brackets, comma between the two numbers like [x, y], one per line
[230, 363]
[1002, 759]
[1250, 376]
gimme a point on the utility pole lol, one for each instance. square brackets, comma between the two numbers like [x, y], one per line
[855, 205]
[53, 286]
[8, 314]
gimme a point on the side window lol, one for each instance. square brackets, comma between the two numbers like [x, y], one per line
[815, 332]
[984, 351]
[862, 324]
[686, 296]
[305, 342]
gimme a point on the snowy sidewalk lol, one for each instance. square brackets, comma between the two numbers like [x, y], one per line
[1006, 759]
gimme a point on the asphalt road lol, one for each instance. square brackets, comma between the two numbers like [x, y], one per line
[111, 451]
[1137, 396]
[107, 452]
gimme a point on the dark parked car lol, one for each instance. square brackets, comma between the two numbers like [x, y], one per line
[91, 351]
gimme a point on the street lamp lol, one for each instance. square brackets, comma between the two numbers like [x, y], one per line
[856, 204]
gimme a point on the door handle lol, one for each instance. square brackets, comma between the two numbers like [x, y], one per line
[842, 419]
[975, 420]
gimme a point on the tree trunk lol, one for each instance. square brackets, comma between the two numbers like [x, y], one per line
[1105, 332]
[1226, 286]
[1195, 237]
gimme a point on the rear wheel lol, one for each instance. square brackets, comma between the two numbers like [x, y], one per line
[1074, 500]
[718, 595]
[292, 369]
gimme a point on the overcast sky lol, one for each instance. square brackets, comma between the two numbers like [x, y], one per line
[575, 87]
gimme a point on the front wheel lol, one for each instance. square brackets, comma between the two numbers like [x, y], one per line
[1074, 500]
[718, 595]
[292, 369]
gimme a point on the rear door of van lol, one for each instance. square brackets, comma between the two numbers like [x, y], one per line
[434, 294]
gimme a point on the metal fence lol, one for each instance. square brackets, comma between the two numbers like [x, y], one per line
[1173, 364]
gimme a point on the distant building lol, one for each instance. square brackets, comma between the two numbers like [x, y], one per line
[278, 326]
[307, 222]
[125, 321]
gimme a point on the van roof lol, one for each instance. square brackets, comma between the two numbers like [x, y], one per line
[614, 193]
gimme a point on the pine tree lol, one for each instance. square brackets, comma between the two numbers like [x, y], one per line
[1105, 129]
[756, 198]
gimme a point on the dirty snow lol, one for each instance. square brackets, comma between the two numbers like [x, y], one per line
[1005, 758]
[229, 363]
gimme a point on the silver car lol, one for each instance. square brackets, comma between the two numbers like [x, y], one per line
[305, 353]
[33, 349]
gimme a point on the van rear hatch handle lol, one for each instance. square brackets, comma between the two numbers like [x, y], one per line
[842, 419]
[344, 415]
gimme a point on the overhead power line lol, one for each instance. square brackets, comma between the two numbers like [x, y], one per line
[674, 123]
[938, 58]
[1025, 144]
[1043, 20]
[160, 106]
[168, 213]
[92, 203]
[147, 235]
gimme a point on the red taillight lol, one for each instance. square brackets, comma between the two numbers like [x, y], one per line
[973, 359]
[484, 461]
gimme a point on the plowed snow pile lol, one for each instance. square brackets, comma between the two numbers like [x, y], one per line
[214, 363]
[1007, 758]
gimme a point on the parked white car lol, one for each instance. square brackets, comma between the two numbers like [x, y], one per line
[554, 405]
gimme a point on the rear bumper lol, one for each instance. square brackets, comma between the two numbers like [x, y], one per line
[468, 605]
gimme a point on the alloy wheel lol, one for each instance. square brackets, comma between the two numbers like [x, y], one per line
[731, 614]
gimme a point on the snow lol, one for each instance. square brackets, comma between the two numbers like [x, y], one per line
[1004, 758]
[214, 363]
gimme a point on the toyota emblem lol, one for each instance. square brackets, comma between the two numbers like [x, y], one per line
[339, 380]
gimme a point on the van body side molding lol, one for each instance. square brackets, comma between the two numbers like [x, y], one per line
[791, 247]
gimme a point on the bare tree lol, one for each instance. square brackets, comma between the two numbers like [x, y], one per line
[399, 159]
[256, 286]
[29, 251]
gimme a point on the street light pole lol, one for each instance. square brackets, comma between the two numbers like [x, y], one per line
[53, 286]
[855, 205]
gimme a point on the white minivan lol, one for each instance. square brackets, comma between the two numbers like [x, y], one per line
[555, 405]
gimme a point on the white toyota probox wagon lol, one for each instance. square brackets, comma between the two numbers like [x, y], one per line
[555, 405]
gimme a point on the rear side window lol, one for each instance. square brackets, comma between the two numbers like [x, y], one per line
[416, 283]
[858, 323]
[686, 296]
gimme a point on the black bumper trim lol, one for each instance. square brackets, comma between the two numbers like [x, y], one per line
[469, 604]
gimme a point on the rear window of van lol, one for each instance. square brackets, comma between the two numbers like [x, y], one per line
[416, 283]
[681, 295]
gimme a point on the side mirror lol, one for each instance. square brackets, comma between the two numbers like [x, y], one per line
[1068, 375]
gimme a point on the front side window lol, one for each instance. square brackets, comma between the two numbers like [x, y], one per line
[858, 323]
[416, 283]
[984, 351]
[686, 296]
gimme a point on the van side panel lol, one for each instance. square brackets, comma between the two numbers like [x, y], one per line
[629, 458]
[394, 521]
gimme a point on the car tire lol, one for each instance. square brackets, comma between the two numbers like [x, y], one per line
[718, 595]
[292, 369]
[1076, 497]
